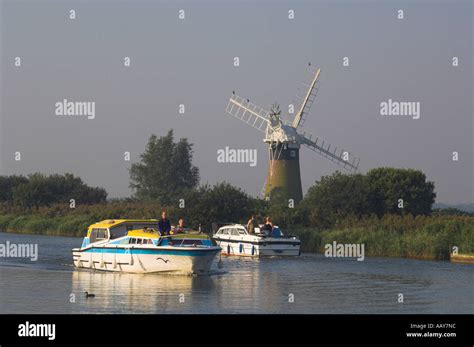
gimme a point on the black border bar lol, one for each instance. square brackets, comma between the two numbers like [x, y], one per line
[229, 329]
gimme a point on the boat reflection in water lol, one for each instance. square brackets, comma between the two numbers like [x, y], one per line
[136, 293]
[247, 286]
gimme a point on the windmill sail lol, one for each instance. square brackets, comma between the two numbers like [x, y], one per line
[247, 112]
[339, 156]
[307, 101]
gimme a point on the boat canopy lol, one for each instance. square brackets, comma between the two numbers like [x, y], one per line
[110, 223]
[120, 227]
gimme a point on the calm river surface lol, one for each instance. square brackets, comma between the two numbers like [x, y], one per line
[319, 285]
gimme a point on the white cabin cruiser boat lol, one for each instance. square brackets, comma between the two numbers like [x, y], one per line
[235, 240]
[136, 246]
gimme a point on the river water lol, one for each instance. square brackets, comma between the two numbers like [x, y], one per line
[310, 283]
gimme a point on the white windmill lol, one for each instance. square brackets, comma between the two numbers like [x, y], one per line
[284, 140]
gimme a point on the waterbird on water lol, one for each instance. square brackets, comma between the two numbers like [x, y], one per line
[89, 295]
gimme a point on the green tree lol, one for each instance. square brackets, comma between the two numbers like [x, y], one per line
[42, 190]
[388, 185]
[336, 197]
[7, 184]
[220, 203]
[165, 171]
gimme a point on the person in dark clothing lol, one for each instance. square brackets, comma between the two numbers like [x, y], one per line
[268, 226]
[164, 225]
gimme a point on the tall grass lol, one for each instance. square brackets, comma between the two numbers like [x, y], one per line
[397, 236]
[62, 220]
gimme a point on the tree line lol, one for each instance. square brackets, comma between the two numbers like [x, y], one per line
[36, 190]
[165, 177]
[380, 192]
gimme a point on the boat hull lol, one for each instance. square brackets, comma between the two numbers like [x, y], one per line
[278, 248]
[171, 260]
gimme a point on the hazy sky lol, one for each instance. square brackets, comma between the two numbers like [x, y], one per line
[190, 62]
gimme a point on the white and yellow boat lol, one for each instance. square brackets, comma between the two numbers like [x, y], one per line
[136, 246]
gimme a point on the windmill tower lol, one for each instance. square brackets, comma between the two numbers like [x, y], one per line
[284, 140]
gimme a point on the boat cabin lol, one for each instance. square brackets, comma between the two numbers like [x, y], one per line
[111, 229]
[139, 232]
[241, 230]
[233, 230]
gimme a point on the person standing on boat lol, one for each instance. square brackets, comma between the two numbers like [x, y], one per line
[164, 225]
[252, 224]
[268, 226]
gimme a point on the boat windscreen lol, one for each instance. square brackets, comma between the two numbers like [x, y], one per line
[123, 229]
[118, 231]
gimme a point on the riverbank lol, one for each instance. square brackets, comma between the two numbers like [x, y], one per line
[31, 224]
[61, 220]
[398, 236]
[466, 258]
[391, 236]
